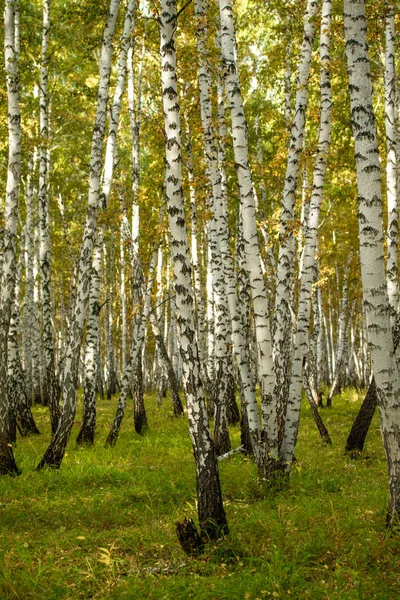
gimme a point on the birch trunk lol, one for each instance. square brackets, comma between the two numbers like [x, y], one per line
[391, 164]
[162, 348]
[138, 336]
[221, 357]
[341, 345]
[55, 452]
[111, 146]
[307, 274]
[250, 236]
[376, 302]
[87, 431]
[21, 414]
[211, 512]
[8, 237]
[287, 245]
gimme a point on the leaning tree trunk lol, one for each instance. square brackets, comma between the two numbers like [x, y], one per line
[162, 348]
[56, 449]
[376, 302]
[268, 456]
[358, 433]
[50, 387]
[211, 512]
[309, 265]
[287, 247]
[8, 236]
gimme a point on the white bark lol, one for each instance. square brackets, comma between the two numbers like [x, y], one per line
[55, 452]
[210, 508]
[287, 247]
[311, 235]
[376, 302]
[391, 165]
[259, 296]
[109, 160]
[8, 237]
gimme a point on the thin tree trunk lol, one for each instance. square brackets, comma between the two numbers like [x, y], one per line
[21, 414]
[135, 350]
[173, 384]
[250, 236]
[55, 452]
[287, 247]
[50, 388]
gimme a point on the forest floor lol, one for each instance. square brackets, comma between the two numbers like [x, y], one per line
[103, 526]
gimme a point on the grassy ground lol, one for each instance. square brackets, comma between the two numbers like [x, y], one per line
[103, 525]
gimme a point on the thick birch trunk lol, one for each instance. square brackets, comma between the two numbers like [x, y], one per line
[376, 303]
[8, 237]
[211, 512]
[55, 452]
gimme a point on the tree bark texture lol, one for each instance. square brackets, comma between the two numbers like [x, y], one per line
[375, 296]
[56, 449]
[8, 236]
[211, 513]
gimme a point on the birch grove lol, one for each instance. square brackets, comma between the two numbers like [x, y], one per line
[230, 271]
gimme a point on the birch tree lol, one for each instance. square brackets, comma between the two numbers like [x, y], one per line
[250, 236]
[287, 246]
[308, 269]
[87, 431]
[375, 296]
[50, 388]
[211, 512]
[8, 237]
[391, 163]
[56, 449]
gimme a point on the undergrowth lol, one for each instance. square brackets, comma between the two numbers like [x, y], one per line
[103, 526]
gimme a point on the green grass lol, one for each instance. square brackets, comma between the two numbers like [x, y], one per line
[103, 525]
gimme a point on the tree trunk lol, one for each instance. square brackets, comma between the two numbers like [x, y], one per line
[286, 258]
[392, 233]
[173, 383]
[376, 302]
[87, 431]
[268, 455]
[56, 449]
[50, 387]
[292, 415]
[8, 236]
[358, 433]
[212, 518]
